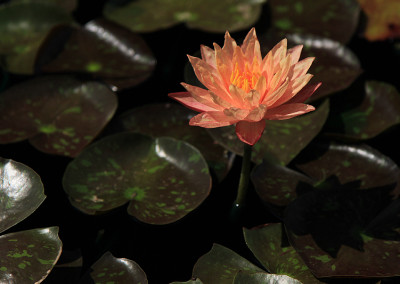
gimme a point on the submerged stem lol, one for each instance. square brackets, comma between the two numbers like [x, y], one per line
[244, 176]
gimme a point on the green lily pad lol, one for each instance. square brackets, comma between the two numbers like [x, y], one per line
[23, 27]
[208, 15]
[109, 269]
[21, 193]
[67, 5]
[163, 179]
[59, 114]
[282, 140]
[278, 186]
[263, 278]
[220, 266]
[175, 123]
[275, 255]
[334, 19]
[102, 49]
[28, 256]
[379, 110]
[195, 281]
[346, 232]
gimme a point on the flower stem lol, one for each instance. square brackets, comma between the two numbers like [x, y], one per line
[244, 176]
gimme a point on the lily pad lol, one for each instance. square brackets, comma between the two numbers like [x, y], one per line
[175, 123]
[67, 5]
[334, 19]
[275, 255]
[263, 278]
[163, 179]
[109, 269]
[102, 49]
[282, 140]
[379, 110]
[220, 265]
[148, 16]
[195, 281]
[28, 256]
[23, 27]
[383, 19]
[59, 114]
[21, 193]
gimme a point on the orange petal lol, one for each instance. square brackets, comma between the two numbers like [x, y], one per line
[186, 99]
[279, 52]
[256, 114]
[202, 96]
[304, 94]
[253, 98]
[293, 88]
[261, 86]
[238, 96]
[237, 113]
[301, 68]
[271, 98]
[295, 53]
[251, 46]
[250, 132]
[229, 45]
[287, 111]
[208, 55]
[224, 65]
[212, 119]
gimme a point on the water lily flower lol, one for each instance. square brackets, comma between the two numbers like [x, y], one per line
[245, 89]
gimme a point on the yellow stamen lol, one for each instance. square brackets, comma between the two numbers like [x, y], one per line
[246, 79]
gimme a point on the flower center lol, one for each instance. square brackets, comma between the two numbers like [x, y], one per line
[246, 79]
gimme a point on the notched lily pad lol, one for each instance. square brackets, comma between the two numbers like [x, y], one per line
[148, 16]
[21, 193]
[163, 179]
[23, 27]
[334, 19]
[282, 140]
[28, 256]
[59, 114]
[379, 110]
[175, 123]
[270, 246]
[109, 269]
[220, 265]
[103, 49]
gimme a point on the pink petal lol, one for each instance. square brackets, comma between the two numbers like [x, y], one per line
[186, 99]
[279, 52]
[301, 68]
[293, 88]
[224, 65]
[229, 45]
[253, 98]
[256, 114]
[212, 119]
[295, 53]
[304, 94]
[208, 55]
[251, 46]
[238, 96]
[287, 111]
[202, 96]
[250, 132]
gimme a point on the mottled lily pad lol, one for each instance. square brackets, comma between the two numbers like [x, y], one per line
[175, 123]
[334, 19]
[379, 110]
[276, 256]
[102, 49]
[109, 269]
[163, 179]
[21, 193]
[67, 5]
[208, 15]
[282, 140]
[263, 278]
[220, 265]
[28, 256]
[23, 27]
[59, 114]
[195, 281]
[383, 19]
[278, 186]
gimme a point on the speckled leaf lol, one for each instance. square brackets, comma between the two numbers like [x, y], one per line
[21, 193]
[28, 256]
[282, 140]
[59, 114]
[195, 281]
[335, 65]
[23, 27]
[163, 179]
[109, 269]
[334, 19]
[103, 49]
[220, 265]
[346, 232]
[275, 255]
[67, 5]
[263, 278]
[383, 19]
[379, 110]
[175, 123]
[148, 16]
